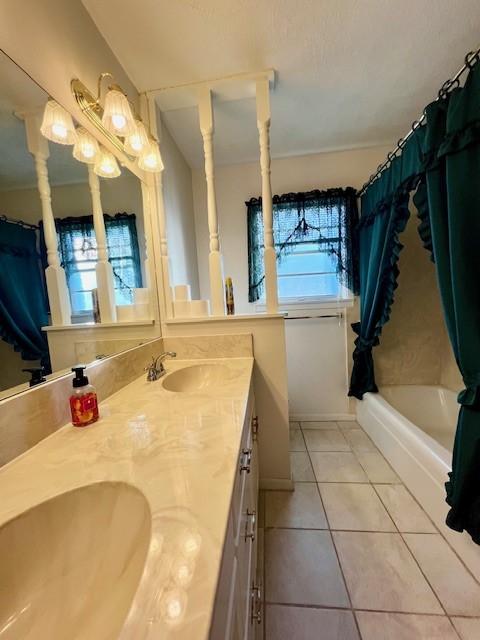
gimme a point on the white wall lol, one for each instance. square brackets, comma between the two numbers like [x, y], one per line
[317, 351]
[179, 214]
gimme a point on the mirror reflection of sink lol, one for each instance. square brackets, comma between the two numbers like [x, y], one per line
[70, 566]
[198, 377]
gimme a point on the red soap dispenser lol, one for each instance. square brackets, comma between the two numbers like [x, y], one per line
[83, 401]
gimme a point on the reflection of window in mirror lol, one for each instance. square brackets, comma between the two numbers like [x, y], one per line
[78, 253]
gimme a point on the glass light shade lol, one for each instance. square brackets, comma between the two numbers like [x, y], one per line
[106, 165]
[151, 160]
[86, 148]
[117, 115]
[137, 141]
[57, 124]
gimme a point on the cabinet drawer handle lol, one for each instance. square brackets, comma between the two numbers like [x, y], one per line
[256, 604]
[255, 428]
[246, 460]
[251, 518]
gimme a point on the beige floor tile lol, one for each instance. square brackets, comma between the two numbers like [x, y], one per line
[468, 628]
[297, 442]
[381, 574]
[406, 513]
[301, 468]
[325, 440]
[301, 567]
[355, 507]
[401, 626]
[294, 425]
[456, 588]
[345, 425]
[339, 466]
[377, 468]
[302, 623]
[301, 509]
[323, 424]
[358, 440]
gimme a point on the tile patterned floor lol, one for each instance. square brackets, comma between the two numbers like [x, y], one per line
[350, 555]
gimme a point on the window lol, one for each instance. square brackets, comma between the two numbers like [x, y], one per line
[78, 254]
[314, 243]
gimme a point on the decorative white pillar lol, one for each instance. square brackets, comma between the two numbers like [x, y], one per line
[103, 268]
[156, 206]
[57, 289]
[270, 259]
[205, 112]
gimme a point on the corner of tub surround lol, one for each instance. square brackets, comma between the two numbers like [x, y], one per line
[30, 416]
[238, 345]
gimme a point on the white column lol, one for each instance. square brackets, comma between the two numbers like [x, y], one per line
[103, 268]
[270, 260]
[215, 257]
[156, 205]
[57, 289]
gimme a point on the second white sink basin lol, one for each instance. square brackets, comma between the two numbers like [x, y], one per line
[70, 566]
[198, 377]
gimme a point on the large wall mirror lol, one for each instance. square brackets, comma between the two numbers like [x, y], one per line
[24, 303]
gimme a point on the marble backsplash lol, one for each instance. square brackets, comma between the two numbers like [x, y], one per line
[32, 415]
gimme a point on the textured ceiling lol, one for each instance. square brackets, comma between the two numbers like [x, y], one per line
[350, 73]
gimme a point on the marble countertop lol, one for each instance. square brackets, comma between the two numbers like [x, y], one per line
[180, 450]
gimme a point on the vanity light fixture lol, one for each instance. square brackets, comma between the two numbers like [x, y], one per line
[86, 148]
[116, 120]
[136, 142]
[117, 115]
[151, 160]
[57, 124]
[106, 165]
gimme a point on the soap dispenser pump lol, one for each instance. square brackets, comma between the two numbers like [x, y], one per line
[83, 401]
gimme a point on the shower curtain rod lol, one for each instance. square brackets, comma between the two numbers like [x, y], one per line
[27, 225]
[447, 86]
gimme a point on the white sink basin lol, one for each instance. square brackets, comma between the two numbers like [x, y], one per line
[70, 567]
[198, 377]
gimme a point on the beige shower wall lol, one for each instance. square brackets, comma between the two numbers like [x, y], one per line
[414, 346]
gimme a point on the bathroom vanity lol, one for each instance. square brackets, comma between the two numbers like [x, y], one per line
[144, 524]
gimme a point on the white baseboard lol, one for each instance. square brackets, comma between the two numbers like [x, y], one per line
[321, 417]
[276, 484]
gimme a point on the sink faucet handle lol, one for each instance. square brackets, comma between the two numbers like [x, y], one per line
[162, 356]
[156, 369]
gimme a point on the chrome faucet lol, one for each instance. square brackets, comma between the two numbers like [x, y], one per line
[156, 369]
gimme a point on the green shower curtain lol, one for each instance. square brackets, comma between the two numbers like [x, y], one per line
[448, 200]
[23, 308]
[384, 216]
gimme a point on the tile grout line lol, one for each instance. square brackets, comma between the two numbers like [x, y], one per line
[413, 557]
[300, 605]
[395, 532]
[347, 590]
[437, 530]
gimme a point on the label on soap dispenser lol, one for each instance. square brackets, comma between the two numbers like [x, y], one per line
[84, 409]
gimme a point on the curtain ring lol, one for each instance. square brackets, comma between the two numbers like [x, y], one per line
[471, 58]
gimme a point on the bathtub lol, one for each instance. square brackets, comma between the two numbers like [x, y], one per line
[414, 428]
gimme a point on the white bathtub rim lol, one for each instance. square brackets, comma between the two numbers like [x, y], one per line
[420, 437]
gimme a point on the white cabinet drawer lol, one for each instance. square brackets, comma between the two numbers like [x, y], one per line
[233, 607]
